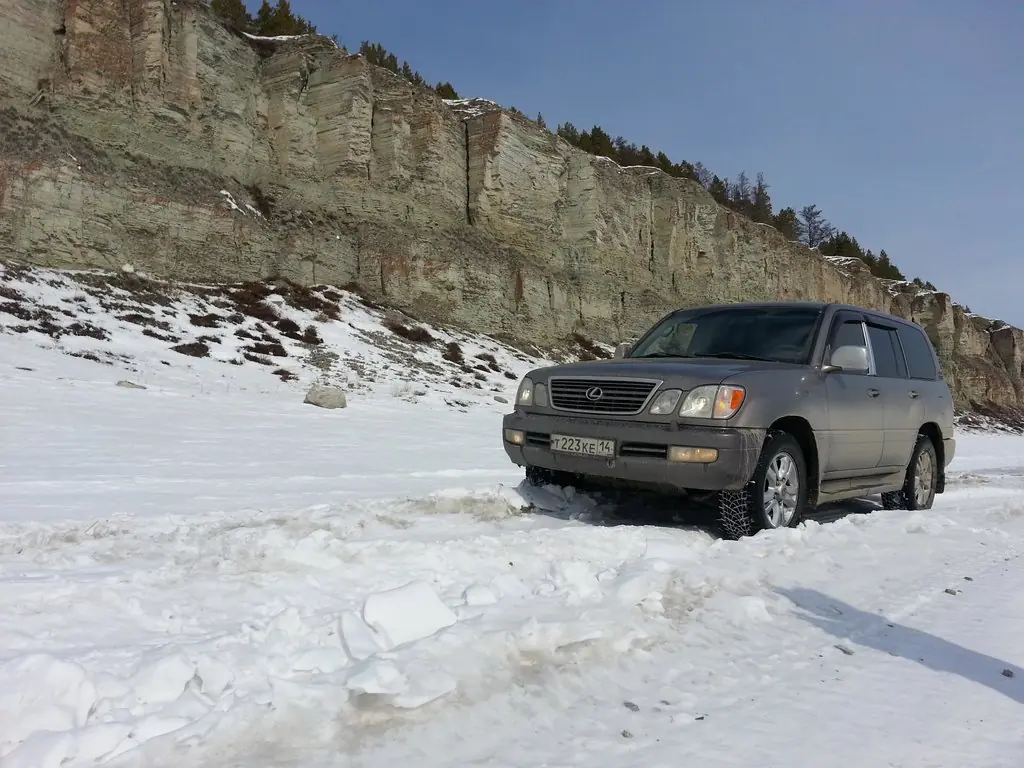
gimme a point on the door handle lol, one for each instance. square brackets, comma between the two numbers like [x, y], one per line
[913, 394]
[873, 393]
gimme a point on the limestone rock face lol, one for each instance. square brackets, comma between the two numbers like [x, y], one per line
[145, 132]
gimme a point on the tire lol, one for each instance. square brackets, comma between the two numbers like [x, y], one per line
[922, 475]
[744, 513]
[538, 477]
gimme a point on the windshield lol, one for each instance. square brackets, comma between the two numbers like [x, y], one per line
[777, 334]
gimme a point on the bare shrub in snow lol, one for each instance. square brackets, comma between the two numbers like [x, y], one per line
[322, 359]
[309, 299]
[589, 350]
[81, 328]
[453, 352]
[168, 337]
[289, 328]
[491, 361]
[268, 348]
[416, 333]
[250, 299]
[193, 349]
[311, 335]
[209, 320]
[358, 291]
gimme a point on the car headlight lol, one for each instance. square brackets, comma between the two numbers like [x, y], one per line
[525, 394]
[540, 395]
[712, 401]
[666, 402]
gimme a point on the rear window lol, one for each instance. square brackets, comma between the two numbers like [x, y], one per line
[918, 351]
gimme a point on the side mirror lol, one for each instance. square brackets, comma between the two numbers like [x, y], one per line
[621, 350]
[849, 359]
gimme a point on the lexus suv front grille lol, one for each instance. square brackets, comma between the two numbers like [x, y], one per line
[612, 396]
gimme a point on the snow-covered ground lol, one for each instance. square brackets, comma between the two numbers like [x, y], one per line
[210, 572]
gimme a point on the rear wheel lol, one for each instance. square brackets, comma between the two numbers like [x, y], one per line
[918, 491]
[775, 497]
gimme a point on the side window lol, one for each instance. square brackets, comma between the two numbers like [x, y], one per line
[847, 333]
[917, 348]
[887, 363]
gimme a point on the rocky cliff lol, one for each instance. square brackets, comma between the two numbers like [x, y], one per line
[145, 132]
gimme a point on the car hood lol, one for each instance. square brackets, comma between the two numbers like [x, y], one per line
[682, 373]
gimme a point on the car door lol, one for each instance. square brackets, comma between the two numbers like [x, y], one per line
[902, 412]
[925, 402]
[856, 421]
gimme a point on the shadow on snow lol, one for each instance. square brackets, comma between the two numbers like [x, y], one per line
[874, 631]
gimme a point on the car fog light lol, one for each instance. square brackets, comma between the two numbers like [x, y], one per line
[688, 455]
[515, 436]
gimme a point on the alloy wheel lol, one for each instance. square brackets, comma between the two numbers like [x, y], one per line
[781, 490]
[924, 478]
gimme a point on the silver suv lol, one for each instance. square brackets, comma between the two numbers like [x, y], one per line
[767, 410]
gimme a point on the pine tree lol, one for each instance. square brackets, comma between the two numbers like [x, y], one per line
[741, 193]
[264, 20]
[704, 176]
[446, 91]
[816, 228]
[788, 223]
[234, 12]
[719, 190]
[761, 204]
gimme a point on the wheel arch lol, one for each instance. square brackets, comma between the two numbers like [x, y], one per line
[801, 430]
[933, 432]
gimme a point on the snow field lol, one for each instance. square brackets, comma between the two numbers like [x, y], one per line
[174, 632]
[208, 572]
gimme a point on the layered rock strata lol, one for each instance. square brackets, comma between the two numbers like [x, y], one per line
[146, 132]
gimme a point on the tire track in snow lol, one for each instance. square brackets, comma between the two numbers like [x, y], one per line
[534, 596]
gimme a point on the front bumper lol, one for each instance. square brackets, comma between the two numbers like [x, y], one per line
[641, 450]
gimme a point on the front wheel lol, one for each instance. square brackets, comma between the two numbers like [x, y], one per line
[775, 497]
[918, 491]
[538, 477]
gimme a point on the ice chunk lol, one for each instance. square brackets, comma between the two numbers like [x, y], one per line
[407, 613]
[42, 693]
[479, 594]
[214, 676]
[165, 680]
[377, 676]
[360, 641]
[424, 689]
[324, 660]
[42, 749]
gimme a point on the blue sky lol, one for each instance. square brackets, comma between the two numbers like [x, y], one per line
[903, 120]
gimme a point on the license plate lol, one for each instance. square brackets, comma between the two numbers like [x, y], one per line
[583, 446]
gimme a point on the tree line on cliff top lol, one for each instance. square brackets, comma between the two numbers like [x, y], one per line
[743, 195]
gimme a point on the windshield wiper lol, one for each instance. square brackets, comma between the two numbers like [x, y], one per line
[737, 356]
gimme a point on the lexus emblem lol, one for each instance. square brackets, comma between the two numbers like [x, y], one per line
[594, 393]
